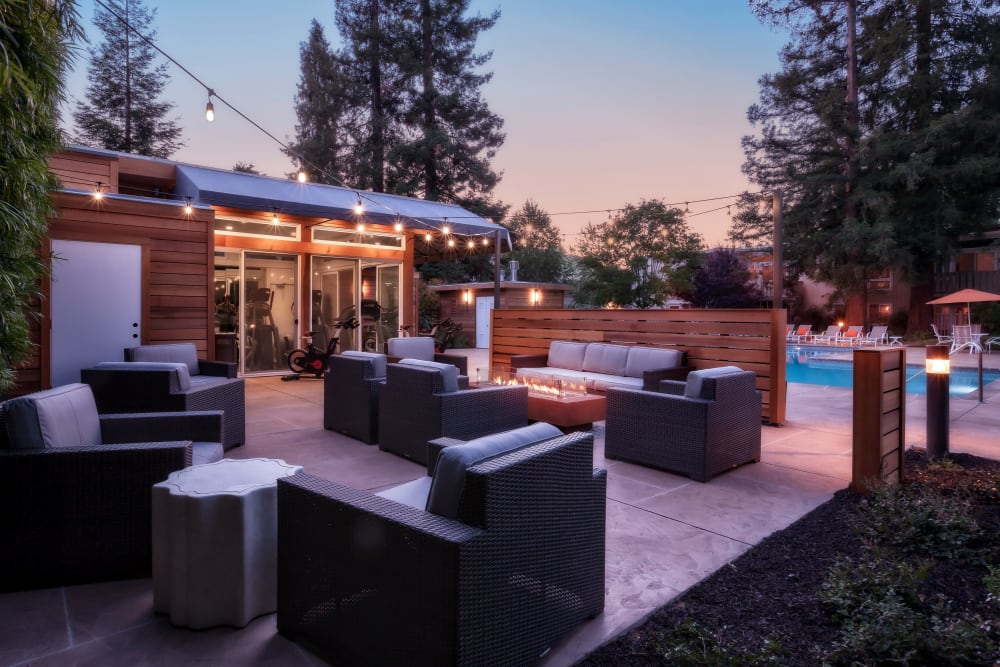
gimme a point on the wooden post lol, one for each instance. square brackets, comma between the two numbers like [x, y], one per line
[879, 416]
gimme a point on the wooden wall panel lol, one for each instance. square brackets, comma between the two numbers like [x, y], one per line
[751, 339]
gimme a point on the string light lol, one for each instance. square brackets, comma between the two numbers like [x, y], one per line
[210, 108]
[427, 237]
[274, 217]
[398, 227]
[302, 177]
[358, 206]
[98, 193]
[361, 228]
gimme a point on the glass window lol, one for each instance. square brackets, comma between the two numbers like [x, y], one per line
[245, 227]
[324, 234]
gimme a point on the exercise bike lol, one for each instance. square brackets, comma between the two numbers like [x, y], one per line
[312, 359]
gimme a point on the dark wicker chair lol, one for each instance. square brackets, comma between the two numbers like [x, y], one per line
[367, 580]
[422, 347]
[421, 401]
[77, 500]
[698, 428]
[350, 394]
[170, 378]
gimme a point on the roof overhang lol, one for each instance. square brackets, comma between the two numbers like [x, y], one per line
[263, 193]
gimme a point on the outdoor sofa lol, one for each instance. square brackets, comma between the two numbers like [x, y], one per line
[76, 485]
[170, 378]
[489, 560]
[604, 365]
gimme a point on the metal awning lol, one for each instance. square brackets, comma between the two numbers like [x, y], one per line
[264, 193]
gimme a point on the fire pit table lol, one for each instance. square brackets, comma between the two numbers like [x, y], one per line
[552, 400]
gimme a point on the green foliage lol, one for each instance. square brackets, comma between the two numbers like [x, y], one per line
[34, 53]
[123, 111]
[428, 307]
[691, 645]
[536, 244]
[916, 521]
[884, 619]
[245, 167]
[639, 258]
[987, 314]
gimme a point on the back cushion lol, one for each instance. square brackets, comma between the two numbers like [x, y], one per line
[566, 355]
[605, 358]
[179, 353]
[181, 380]
[449, 373]
[648, 358]
[375, 360]
[65, 416]
[452, 463]
[695, 387]
[414, 347]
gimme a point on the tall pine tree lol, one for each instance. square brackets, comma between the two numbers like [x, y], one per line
[123, 111]
[320, 109]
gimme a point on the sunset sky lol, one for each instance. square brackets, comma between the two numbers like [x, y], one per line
[604, 103]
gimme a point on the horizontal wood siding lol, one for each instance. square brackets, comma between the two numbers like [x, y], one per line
[78, 171]
[751, 339]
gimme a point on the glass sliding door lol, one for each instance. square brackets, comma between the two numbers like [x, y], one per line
[334, 299]
[269, 313]
[379, 304]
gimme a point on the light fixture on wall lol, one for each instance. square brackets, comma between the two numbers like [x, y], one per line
[210, 108]
[98, 192]
[188, 209]
[467, 297]
[536, 297]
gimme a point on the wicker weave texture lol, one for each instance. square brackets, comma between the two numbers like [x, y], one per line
[350, 398]
[365, 581]
[118, 391]
[691, 436]
[414, 409]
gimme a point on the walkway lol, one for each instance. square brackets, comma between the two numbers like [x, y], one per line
[665, 533]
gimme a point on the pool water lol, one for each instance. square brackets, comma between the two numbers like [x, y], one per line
[809, 365]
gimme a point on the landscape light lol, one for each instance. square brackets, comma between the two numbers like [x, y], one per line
[938, 367]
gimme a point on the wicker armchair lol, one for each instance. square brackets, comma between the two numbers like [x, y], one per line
[170, 378]
[422, 347]
[367, 580]
[421, 401]
[350, 394]
[698, 428]
[77, 507]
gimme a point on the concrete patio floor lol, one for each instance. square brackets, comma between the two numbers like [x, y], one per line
[664, 532]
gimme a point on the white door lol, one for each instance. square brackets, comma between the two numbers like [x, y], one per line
[484, 304]
[96, 305]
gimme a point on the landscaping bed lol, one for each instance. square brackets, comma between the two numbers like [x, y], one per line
[909, 575]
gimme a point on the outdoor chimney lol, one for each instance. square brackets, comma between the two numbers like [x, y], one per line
[514, 266]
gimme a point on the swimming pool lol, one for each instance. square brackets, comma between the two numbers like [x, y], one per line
[833, 367]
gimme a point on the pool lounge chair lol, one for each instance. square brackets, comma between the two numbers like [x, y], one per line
[941, 338]
[803, 334]
[790, 333]
[877, 336]
[830, 336]
[853, 334]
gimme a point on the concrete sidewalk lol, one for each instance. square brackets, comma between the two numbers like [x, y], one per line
[664, 532]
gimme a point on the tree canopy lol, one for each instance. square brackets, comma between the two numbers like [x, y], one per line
[34, 54]
[537, 246]
[723, 281]
[639, 257]
[123, 111]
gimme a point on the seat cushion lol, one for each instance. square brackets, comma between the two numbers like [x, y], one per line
[605, 358]
[449, 373]
[566, 355]
[179, 353]
[449, 474]
[377, 361]
[695, 386]
[412, 347]
[642, 359]
[64, 416]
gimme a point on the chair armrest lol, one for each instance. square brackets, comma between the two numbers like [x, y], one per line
[651, 378]
[673, 387]
[529, 360]
[202, 426]
[434, 449]
[224, 369]
[457, 360]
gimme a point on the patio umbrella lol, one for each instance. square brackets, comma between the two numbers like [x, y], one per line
[968, 297]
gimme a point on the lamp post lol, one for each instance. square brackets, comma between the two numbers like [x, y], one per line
[938, 380]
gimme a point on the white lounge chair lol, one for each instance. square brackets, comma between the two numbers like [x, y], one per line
[941, 338]
[830, 336]
[877, 336]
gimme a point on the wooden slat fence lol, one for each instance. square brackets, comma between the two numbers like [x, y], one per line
[752, 339]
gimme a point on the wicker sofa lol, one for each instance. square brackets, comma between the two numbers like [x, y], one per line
[604, 365]
[489, 561]
[699, 428]
[423, 400]
[170, 378]
[75, 486]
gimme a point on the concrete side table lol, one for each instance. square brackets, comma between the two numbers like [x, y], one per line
[215, 542]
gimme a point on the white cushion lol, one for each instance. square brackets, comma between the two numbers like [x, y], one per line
[376, 360]
[180, 353]
[605, 358]
[694, 386]
[414, 347]
[412, 493]
[449, 473]
[64, 416]
[648, 358]
[567, 355]
[449, 373]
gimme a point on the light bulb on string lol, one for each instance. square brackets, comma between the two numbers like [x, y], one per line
[210, 108]
[399, 225]
[358, 206]
[361, 228]
[274, 217]
[687, 209]
[427, 237]
[445, 229]
[98, 193]
[302, 177]
[472, 244]
[486, 241]
[451, 243]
